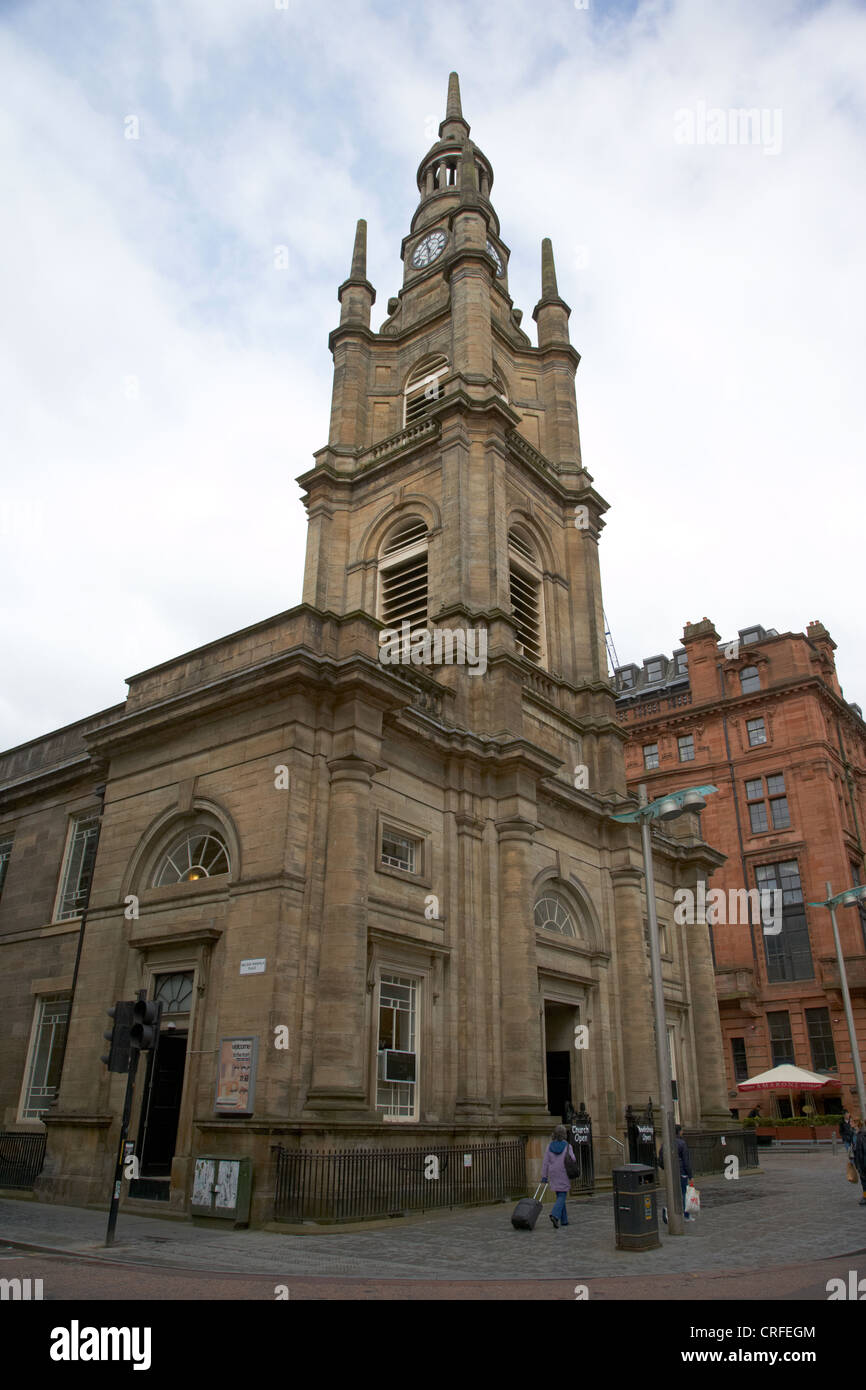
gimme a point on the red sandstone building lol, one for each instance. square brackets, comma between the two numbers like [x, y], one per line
[764, 720]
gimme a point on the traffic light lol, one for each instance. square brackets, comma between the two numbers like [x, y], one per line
[118, 1056]
[145, 1024]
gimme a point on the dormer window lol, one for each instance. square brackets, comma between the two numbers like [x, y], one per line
[654, 671]
[423, 388]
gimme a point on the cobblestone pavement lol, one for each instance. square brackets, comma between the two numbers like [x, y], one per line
[800, 1208]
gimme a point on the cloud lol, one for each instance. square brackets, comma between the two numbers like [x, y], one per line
[167, 382]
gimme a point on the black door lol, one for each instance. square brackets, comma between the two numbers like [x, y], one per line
[558, 1081]
[161, 1110]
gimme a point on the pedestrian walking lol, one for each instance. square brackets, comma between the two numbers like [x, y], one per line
[846, 1132]
[858, 1158]
[553, 1170]
[686, 1174]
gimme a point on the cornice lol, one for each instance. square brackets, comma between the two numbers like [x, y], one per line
[242, 687]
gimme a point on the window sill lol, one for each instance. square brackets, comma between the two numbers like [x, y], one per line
[405, 875]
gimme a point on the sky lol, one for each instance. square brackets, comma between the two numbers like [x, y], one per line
[181, 183]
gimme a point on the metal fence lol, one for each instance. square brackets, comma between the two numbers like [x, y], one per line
[366, 1183]
[708, 1153]
[21, 1158]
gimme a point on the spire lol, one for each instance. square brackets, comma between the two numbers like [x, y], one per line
[453, 108]
[550, 313]
[454, 125]
[356, 295]
[359, 255]
[549, 288]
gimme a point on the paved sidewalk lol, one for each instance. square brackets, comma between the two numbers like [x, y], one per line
[800, 1208]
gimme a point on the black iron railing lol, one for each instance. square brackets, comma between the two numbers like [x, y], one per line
[21, 1158]
[365, 1183]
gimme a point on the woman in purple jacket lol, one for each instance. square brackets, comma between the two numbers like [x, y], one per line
[553, 1171]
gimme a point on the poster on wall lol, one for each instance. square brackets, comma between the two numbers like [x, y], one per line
[236, 1076]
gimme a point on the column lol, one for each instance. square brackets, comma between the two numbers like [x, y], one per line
[340, 1039]
[473, 975]
[522, 1075]
[635, 995]
[712, 1085]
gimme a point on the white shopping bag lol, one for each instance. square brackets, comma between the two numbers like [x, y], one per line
[693, 1200]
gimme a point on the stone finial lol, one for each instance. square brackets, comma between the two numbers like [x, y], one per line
[454, 126]
[359, 254]
[551, 313]
[356, 294]
[549, 289]
[453, 110]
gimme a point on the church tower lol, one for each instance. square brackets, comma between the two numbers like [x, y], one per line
[452, 493]
[452, 498]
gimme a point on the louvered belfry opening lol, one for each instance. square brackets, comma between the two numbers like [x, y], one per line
[526, 603]
[423, 388]
[403, 575]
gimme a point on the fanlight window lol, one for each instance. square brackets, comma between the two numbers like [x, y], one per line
[198, 853]
[526, 598]
[551, 914]
[175, 992]
[403, 575]
[423, 388]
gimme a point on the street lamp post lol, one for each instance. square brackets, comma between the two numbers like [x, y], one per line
[665, 808]
[850, 898]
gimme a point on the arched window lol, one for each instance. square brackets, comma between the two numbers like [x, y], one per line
[750, 681]
[174, 992]
[422, 389]
[552, 914]
[197, 853]
[524, 576]
[403, 574]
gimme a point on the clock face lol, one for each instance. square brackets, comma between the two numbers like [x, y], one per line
[426, 251]
[492, 251]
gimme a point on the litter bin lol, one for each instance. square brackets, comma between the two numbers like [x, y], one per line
[634, 1207]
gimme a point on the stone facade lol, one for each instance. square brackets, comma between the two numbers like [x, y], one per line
[396, 835]
[764, 720]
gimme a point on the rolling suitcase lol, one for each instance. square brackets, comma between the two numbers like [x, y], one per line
[528, 1210]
